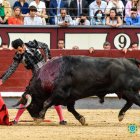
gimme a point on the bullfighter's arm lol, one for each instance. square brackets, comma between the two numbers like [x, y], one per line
[11, 69]
[45, 47]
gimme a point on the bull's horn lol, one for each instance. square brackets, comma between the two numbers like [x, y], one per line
[18, 103]
[29, 100]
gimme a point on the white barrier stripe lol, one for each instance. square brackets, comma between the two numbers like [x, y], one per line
[19, 94]
[11, 94]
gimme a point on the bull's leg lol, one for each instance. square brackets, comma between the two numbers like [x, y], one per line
[79, 117]
[124, 109]
[132, 96]
[46, 105]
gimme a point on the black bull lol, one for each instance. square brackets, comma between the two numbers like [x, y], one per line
[64, 80]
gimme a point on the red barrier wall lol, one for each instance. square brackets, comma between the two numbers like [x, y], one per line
[19, 80]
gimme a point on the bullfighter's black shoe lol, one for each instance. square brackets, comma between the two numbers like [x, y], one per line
[14, 122]
[63, 122]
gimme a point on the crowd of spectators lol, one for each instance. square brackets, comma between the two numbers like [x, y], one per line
[113, 13]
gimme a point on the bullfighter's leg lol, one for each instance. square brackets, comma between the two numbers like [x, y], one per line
[79, 117]
[19, 113]
[60, 114]
[124, 109]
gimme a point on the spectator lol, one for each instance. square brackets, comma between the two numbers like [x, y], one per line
[99, 18]
[41, 9]
[23, 5]
[91, 50]
[82, 20]
[61, 44]
[63, 19]
[106, 46]
[78, 7]
[75, 47]
[118, 4]
[95, 6]
[16, 19]
[5, 11]
[32, 19]
[134, 18]
[130, 4]
[113, 19]
[55, 6]
[133, 46]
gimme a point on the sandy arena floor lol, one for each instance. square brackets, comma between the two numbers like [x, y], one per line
[101, 125]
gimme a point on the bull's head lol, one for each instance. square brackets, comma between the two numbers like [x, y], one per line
[27, 101]
[33, 105]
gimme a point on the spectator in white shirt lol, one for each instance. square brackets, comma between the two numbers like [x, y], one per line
[82, 20]
[41, 9]
[118, 4]
[32, 19]
[97, 5]
[63, 19]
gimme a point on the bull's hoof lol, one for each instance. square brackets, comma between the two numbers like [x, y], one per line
[120, 117]
[82, 120]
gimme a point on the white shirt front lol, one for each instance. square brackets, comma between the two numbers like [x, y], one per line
[93, 7]
[120, 7]
[33, 21]
[39, 6]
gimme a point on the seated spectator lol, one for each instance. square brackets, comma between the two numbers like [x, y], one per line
[82, 20]
[133, 46]
[98, 19]
[95, 6]
[106, 46]
[63, 19]
[32, 19]
[41, 8]
[113, 19]
[54, 9]
[16, 19]
[134, 18]
[23, 5]
[5, 11]
[118, 4]
[130, 4]
[75, 47]
[61, 44]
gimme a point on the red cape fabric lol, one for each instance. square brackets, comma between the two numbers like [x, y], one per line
[4, 116]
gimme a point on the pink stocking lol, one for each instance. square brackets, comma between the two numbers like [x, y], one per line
[59, 112]
[19, 113]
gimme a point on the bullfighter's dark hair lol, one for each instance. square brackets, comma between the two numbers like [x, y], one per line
[16, 43]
